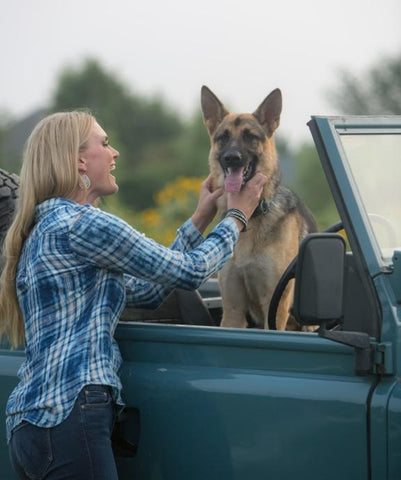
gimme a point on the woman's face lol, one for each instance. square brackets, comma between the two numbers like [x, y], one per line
[97, 160]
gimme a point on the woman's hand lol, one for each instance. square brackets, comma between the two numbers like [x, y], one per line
[207, 205]
[248, 198]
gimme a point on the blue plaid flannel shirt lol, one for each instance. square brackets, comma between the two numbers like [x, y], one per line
[78, 269]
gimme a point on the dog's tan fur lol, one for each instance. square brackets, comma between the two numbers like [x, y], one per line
[272, 238]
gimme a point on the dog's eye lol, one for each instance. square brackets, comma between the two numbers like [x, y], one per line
[249, 136]
[223, 137]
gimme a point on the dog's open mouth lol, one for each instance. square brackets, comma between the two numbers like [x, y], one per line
[236, 176]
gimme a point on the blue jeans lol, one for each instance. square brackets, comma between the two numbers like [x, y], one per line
[78, 448]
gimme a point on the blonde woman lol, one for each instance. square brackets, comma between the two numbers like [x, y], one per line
[70, 269]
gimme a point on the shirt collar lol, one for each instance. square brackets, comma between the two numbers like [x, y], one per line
[49, 205]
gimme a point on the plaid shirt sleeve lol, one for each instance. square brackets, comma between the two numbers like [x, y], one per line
[151, 269]
[188, 237]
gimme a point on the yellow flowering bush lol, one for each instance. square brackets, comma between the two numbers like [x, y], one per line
[174, 204]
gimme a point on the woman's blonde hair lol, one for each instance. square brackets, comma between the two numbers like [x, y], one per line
[49, 170]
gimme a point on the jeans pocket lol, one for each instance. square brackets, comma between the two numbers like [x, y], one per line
[31, 450]
[98, 410]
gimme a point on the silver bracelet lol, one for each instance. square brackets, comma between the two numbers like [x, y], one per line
[239, 215]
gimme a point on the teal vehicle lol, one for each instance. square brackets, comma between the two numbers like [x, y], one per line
[207, 403]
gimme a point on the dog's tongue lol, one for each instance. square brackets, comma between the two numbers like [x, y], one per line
[233, 180]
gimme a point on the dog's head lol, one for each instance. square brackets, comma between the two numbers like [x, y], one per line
[241, 144]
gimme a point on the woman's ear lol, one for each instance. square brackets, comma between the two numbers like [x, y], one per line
[81, 165]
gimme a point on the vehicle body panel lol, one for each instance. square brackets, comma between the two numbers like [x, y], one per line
[393, 432]
[222, 404]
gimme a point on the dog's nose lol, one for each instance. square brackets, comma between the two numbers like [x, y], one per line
[232, 157]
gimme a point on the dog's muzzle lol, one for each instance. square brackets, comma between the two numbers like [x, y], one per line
[237, 170]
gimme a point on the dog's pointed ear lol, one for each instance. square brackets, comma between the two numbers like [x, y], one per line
[269, 111]
[212, 109]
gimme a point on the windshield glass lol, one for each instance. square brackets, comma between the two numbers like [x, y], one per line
[374, 160]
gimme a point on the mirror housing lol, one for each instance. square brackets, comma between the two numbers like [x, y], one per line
[319, 280]
[319, 295]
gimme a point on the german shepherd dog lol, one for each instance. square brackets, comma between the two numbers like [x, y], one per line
[241, 145]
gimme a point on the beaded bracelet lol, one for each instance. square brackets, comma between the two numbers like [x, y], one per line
[239, 215]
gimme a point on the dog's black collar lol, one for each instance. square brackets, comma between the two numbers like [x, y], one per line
[262, 209]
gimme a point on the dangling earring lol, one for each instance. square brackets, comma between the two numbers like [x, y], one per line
[86, 181]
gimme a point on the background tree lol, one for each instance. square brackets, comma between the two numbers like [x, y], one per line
[376, 92]
[311, 185]
[140, 128]
[3, 130]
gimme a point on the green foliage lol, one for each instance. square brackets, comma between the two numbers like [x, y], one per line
[2, 156]
[7, 160]
[185, 155]
[310, 183]
[194, 148]
[376, 92]
[137, 120]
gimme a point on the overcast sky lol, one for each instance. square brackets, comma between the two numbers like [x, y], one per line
[241, 49]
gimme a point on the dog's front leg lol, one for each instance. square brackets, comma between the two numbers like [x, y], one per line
[233, 298]
[233, 316]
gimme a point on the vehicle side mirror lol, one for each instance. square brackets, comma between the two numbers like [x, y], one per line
[319, 280]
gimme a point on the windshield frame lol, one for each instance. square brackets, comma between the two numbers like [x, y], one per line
[328, 133]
